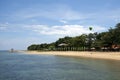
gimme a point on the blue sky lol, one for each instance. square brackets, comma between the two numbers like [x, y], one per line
[26, 22]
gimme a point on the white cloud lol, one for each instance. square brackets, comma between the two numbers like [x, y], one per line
[64, 30]
[61, 30]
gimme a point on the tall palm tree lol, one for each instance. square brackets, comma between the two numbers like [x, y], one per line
[90, 38]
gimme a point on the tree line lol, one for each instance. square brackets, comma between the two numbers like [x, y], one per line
[105, 41]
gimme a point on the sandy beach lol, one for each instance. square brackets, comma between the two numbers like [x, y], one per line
[98, 55]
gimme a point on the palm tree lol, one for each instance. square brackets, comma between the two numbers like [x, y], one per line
[90, 38]
[90, 28]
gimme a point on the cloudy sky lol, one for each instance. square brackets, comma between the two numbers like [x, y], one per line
[26, 22]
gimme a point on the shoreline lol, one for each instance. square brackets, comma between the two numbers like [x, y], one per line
[83, 54]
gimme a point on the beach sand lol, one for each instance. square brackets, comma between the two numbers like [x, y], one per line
[99, 55]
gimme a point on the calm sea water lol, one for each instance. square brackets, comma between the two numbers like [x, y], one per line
[17, 66]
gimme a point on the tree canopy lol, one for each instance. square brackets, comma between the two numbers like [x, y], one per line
[84, 42]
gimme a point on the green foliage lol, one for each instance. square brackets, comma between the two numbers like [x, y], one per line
[90, 28]
[83, 42]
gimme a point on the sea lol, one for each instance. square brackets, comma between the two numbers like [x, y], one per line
[21, 66]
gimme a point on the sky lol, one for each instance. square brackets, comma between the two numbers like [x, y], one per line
[26, 22]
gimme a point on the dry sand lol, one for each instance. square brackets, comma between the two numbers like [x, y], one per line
[99, 55]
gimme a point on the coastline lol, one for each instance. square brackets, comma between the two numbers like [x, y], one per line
[97, 55]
